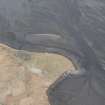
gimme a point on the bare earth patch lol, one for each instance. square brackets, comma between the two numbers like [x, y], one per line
[25, 76]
